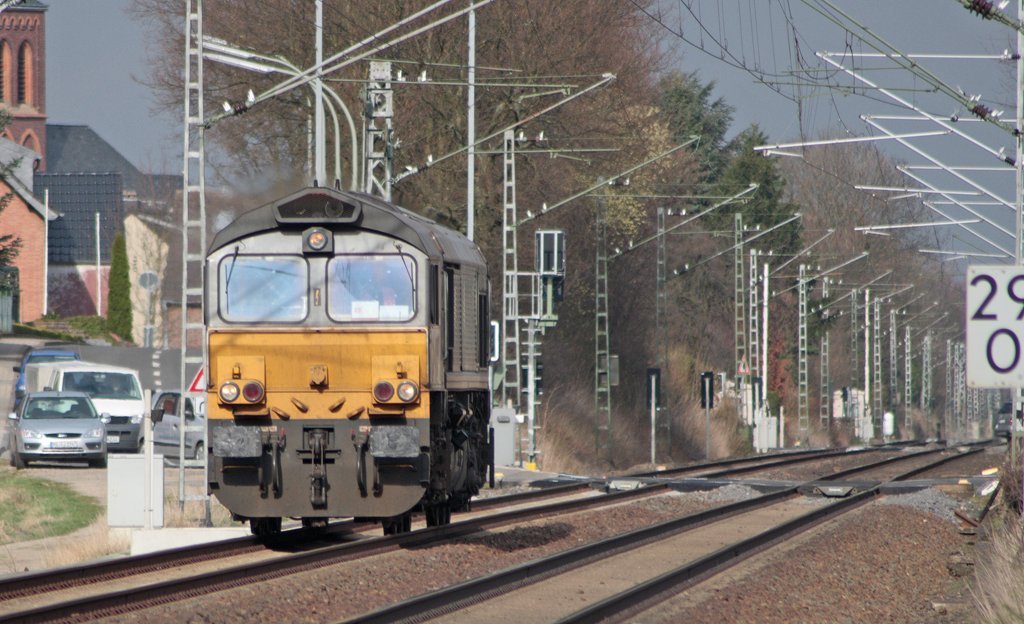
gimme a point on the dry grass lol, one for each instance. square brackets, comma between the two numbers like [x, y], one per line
[193, 514]
[1010, 479]
[90, 543]
[567, 437]
[999, 580]
[97, 540]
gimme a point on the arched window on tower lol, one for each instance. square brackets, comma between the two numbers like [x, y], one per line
[5, 72]
[25, 76]
[30, 141]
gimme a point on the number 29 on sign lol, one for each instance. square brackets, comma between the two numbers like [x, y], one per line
[995, 324]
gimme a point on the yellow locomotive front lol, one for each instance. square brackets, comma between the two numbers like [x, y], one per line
[326, 332]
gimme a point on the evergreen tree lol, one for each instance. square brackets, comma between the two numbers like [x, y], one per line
[688, 105]
[119, 303]
[767, 206]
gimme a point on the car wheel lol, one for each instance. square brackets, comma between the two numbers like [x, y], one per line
[199, 450]
[98, 463]
[17, 461]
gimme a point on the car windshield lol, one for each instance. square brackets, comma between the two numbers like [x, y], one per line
[102, 385]
[371, 288]
[37, 358]
[263, 288]
[62, 407]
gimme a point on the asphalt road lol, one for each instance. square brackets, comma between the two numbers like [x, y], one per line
[158, 369]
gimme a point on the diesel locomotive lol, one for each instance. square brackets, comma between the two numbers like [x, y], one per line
[347, 341]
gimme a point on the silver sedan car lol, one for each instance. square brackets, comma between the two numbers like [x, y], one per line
[57, 426]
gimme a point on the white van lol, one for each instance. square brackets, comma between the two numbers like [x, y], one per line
[114, 390]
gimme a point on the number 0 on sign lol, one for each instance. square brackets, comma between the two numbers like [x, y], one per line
[995, 327]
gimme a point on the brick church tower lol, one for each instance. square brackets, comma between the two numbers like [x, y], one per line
[23, 74]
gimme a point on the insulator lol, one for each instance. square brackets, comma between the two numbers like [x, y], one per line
[981, 110]
[984, 8]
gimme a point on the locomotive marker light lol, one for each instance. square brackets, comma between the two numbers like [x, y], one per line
[995, 326]
[252, 392]
[383, 391]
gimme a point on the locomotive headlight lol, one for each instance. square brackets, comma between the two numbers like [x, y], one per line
[383, 391]
[317, 240]
[407, 391]
[252, 392]
[229, 391]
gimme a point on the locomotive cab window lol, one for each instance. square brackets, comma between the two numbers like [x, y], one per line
[255, 289]
[371, 288]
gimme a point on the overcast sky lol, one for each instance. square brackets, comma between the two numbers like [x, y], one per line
[95, 51]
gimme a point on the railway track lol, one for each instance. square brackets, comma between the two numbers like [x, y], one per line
[603, 574]
[134, 597]
[48, 581]
[344, 537]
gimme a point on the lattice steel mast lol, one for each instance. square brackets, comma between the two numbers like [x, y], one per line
[802, 387]
[740, 323]
[876, 358]
[510, 358]
[825, 395]
[193, 237]
[602, 350]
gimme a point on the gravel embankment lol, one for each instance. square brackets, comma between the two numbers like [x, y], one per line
[885, 562]
[342, 591]
[970, 465]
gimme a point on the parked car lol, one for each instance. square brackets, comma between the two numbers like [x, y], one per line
[55, 426]
[1005, 422]
[114, 390]
[167, 424]
[38, 356]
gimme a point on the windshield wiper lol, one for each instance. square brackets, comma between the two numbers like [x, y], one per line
[227, 280]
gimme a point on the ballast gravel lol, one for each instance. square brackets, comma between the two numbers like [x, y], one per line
[882, 563]
[885, 562]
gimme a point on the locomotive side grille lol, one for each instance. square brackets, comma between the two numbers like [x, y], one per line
[467, 305]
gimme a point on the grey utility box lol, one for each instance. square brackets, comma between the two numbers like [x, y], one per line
[503, 420]
[126, 486]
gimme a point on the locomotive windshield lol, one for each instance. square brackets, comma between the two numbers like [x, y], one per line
[263, 288]
[371, 288]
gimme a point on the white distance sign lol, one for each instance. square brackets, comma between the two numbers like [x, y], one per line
[995, 326]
